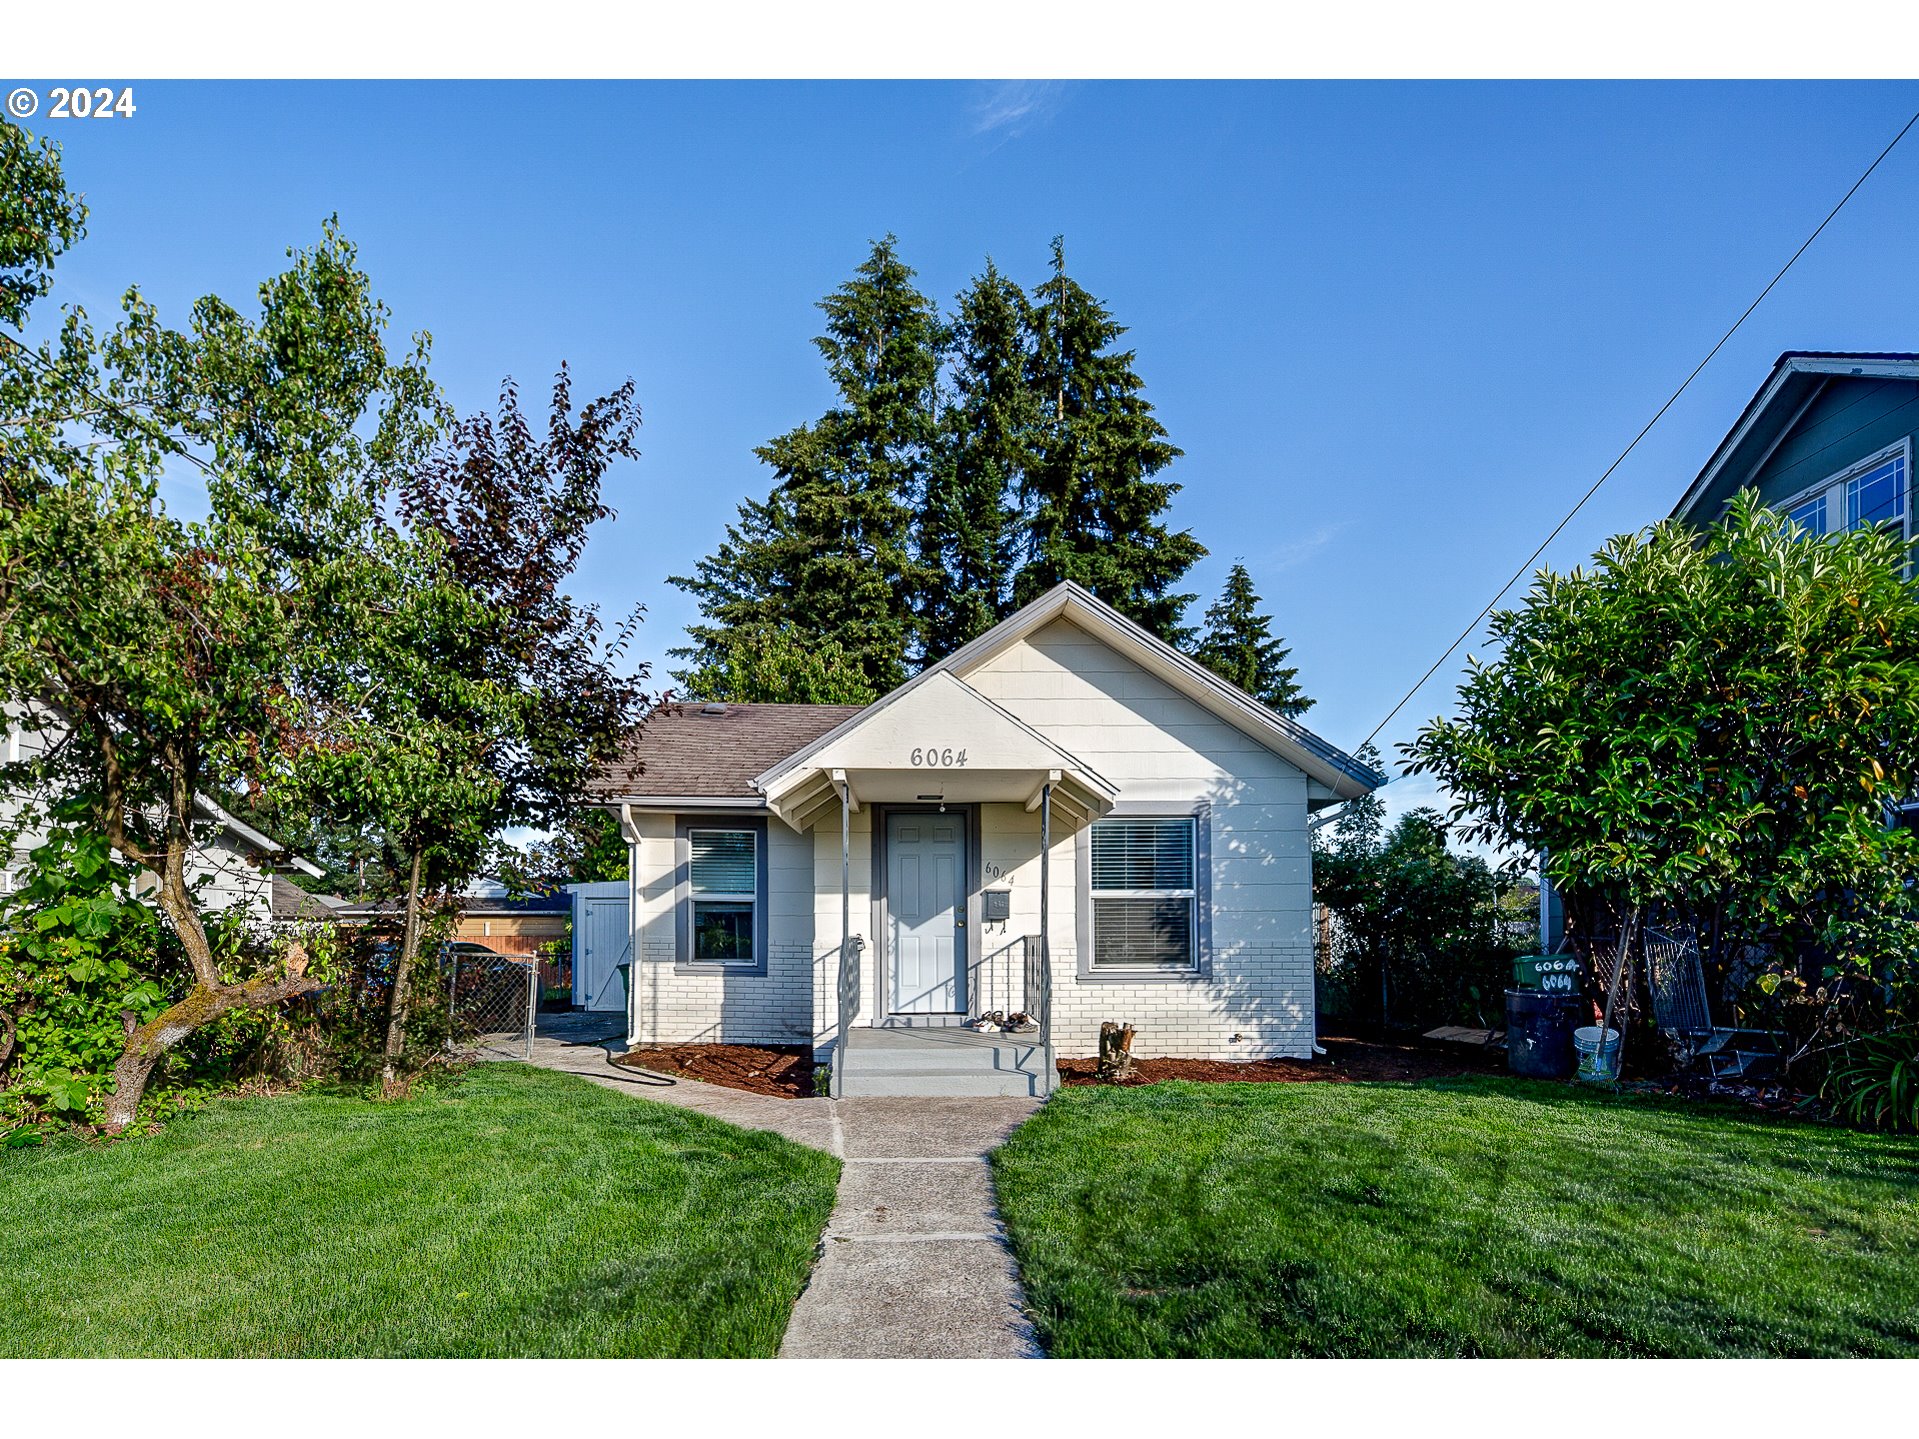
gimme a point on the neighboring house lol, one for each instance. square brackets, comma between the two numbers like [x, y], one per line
[1828, 441]
[294, 906]
[232, 865]
[1065, 817]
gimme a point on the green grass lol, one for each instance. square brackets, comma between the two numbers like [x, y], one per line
[513, 1212]
[1480, 1216]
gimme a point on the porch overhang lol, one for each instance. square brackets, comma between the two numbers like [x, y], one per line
[941, 741]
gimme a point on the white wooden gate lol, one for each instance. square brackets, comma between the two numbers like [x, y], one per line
[602, 942]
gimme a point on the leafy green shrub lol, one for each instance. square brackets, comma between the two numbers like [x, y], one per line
[1417, 936]
[81, 960]
[1874, 1082]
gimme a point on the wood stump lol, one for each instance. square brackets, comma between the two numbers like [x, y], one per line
[1115, 1051]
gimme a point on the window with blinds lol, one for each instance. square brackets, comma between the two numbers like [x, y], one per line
[724, 870]
[1144, 900]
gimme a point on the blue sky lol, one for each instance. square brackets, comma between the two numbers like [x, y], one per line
[1397, 328]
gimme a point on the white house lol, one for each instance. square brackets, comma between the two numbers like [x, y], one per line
[1066, 817]
[231, 864]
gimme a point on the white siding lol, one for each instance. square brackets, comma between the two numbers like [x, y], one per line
[674, 1006]
[221, 868]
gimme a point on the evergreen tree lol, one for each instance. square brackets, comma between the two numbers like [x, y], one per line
[1093, 507]
[829, 554]
[1238, 646]
[968, 534]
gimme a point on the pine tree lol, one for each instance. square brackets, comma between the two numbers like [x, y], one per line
[1093, 509]
[968, 534]
[1238, 646]
[829, 553]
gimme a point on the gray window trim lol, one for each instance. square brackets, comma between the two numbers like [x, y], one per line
[1201, 813]
[683, 961]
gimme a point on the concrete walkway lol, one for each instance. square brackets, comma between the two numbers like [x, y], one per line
[915, 1263]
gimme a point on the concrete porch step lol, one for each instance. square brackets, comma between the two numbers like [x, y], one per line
[927, 1062]
[931, 1083]
[943, 1049]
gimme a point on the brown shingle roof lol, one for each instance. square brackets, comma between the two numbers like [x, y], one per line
[697, 749]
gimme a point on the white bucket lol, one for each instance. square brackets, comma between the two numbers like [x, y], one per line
[1598, 1063]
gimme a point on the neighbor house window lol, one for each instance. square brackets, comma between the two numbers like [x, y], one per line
[1873, 492]
[1809, 516]
[1878, 495]
[724, 868]
[1144, 900]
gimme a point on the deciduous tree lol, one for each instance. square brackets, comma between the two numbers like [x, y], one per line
[165, 657]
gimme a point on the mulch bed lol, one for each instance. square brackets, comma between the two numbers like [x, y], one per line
[784, 1071]
[1346, 1061]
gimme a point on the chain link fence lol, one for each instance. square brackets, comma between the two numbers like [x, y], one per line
[492, 1000]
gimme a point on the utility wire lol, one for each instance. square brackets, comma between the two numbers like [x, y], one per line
[147, 427]
[1686, 384]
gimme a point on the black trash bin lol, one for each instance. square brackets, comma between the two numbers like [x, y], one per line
[1539, 1033]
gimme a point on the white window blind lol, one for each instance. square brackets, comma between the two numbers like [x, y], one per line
[724, 873]
[1143, 896]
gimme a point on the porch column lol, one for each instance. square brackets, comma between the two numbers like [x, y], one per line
[1045, 1015]
[846, 871]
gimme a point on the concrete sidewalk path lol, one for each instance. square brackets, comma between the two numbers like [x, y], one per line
[915, 1264]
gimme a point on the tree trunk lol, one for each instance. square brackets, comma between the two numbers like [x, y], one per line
[149, 1042]
[402, 969]
[1115, 1050]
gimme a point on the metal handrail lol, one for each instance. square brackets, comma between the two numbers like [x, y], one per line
[1039, 987]
[849, 989]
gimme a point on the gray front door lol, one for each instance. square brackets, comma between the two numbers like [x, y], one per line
[926, 911]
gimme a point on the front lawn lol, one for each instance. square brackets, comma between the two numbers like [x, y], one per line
[1470, 1216]
[513, 1212]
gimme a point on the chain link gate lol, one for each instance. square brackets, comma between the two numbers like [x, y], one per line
[493, 1001]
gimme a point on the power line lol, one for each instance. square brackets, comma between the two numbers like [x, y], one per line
[145, 426]
[1672, 399]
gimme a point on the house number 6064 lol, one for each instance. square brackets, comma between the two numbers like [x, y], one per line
[944, 758]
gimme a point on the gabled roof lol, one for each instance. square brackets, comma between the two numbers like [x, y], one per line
[1002, 754]
[1795, 382]
[252, 837]
[696, 751]
[1345, 776]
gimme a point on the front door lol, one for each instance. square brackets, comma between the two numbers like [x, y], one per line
[926, 912]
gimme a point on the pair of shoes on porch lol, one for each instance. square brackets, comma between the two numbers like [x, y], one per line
[1019, 1022]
